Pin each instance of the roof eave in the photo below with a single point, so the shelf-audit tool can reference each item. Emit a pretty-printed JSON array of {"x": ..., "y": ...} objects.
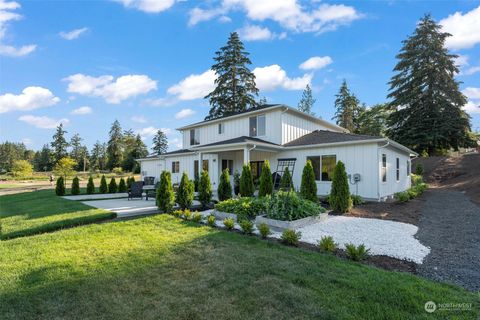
[{"x": 336, "y": 143}]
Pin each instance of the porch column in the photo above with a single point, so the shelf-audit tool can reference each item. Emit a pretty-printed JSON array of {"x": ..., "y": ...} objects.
[
  {"x": 200, "y": 163},
  {"x": 246, "y": 155}
]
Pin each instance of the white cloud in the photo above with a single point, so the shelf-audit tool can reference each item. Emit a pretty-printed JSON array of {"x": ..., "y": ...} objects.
[
  {"x": 31, "y": 98},
  {"x": 198, "y": 15},
  {"x": 256, "y": 33},
  {"x": 151, "y": 131},
  {"x": 184, "y": 113},
  {"x": 464, "y": 28},
  {"x": 462, "y": 60},
  {"x": 472, "y": 93},
  {"x": 316, "y": 63},
  {"x": 175, "y": 142},
  {"x": 27, "y": 141},
  {"x": 12, "y": 51},
  {"x": 81, "y": 111},
  {"x": 472, "y": 107},
  {"x": 225, "y": 19},
  {"x": 150, "y": 6},
  {"x": 471, "y": 70},
  {"x": 74, "y": 34},
  {"x": 273, "y": 77},
  {"x": 6, "y": 15},
  {"x": 160, "y": 102},
  {"x": 139, "y": 119},
  {"x": 195, "y": 86},
  {"x": 113, "y": 92},
  {"x": 42, "y": 122}
]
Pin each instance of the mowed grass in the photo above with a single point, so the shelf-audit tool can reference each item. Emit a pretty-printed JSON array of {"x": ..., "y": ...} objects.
[
  {"x": 160, "y": 267},
  {"x": 42, "y": 211}
]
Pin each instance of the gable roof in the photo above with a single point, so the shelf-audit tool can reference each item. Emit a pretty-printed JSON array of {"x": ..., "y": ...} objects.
[
  {"x": 242, "y": 139},
  {"x": 324, "y": 136}
]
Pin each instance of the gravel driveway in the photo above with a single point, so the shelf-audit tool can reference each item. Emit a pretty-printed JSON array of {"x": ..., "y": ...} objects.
[{"x": 450, "y": 226}]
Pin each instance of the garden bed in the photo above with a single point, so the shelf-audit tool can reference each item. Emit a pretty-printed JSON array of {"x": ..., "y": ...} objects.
[
  {"x": 280, "y": 225},
  {"x": 220, "y": 215}
]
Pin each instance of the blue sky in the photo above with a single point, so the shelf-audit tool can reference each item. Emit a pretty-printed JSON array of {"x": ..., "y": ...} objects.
[{"x": 146, "y": 62}]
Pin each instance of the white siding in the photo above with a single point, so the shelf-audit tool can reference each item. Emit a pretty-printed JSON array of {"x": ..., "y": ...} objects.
[
  {"x": 152, "y": 168},
  {"x": 293, "y": 127},
  {"x": 391, "y": 186}
]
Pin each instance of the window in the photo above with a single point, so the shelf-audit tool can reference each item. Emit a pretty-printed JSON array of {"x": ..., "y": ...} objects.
[
  {"x": 227, "y": 164},
  {"x": 408, "y": 168},
  {"x": 221, "y": 128},
  {"x": 323, "y": 166},
  {"x": 257, "y": 126},
  {"x": 175, "y": 166},
  {"x": 205, "y": 165},
  {"x": 384, "y": 167},
  {"x": 256, "y": 167},
  {"x": 398, "y": 169},
  {"x": 194, "y": 137},
  {"x": 195, "y": 168}
]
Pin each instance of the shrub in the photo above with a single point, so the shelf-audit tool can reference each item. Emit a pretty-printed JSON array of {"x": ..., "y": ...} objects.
[
  {"x": 224, "y": 187},
  {"x": 112, "y": 186},
  {"x": 247, "y": 187},
  {"x": 286, "y": 182},
  {"x": 402, "y": 196},
  {"x": 103, "y": 185},
  {"x": 229, "y": 223},
  {"x": 165, "y": 194},
  {"x": 419, "y": 169},
  {"x": 60, "y": 187},
  {"x": 22, "y": 168},
  {"x": 244, "y": 208},
  {"x": 236, "y": 183},
  {"x": 187, "y": 214},
  {"x": 122, "y": 186},
  {"x": 247, "y": 226},
  {"x": 416, "y": 179},
  {"x": 356, "y": 253},
  {"x": 308, "y": 187},
  {"x": 291, "y": 237},
  {"x": 177, "y": 213},
  {"x": 197, "y": 216},
  {"x": 340, "y": 199},
  {"x": 264, "y": 230},
  {"x": 211, "y": 220},
  {"x": 75, "y": 186},
  {"x": 117, "y": 170},
  {"x": 356, "y": 199},
  {"x": 185, "y": 192},
  {"x": 204, "y": 189},
  {"x": 266, "y": 181},
  {"x": 288, "y": 206},
  {"x": 90, "y": 186},
  {"x": 130, "y": 180},
  {"x": 327, "y": 244}
]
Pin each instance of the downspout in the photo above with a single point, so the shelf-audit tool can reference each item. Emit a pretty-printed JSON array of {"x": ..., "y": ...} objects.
[{"x": 378, "y": 157}]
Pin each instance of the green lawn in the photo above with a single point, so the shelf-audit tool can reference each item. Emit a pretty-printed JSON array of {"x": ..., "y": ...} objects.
[{"x": 36, "y": 212}]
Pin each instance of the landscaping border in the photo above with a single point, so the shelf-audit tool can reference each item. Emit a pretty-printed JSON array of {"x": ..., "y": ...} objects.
[{"x": 280, "y": 225}]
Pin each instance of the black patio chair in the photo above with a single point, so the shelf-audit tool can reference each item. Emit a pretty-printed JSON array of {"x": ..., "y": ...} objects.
[
  {"x": 149, "y": 181},
  {"x": 152, "y": 192},
  {"x": 135, "y": 191}
]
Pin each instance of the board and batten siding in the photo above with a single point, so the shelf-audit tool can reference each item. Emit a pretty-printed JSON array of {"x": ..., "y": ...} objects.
[
  {"x": 187, "y": 165},
  {"x": 294, "y": 127},
  {"x": 152, "y": 168},
  {"x": 392, "y": 186}
]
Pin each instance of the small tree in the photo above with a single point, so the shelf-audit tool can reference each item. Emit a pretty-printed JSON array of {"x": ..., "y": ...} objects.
[
  {"x": 112, "y": 186},
  {"x": 130, "y": 180},
  {"x": 247, "y": 188},
  {"x": 266, "y": 181},
  {"x": 224, "y": 187},
  {"x": 340, "y": 200},
  {"x": 122, "y": 186},
  {"x": 103, "y": 185},
  {"x": 204, "y": 189},
  {"x": 22, "y": 168},
  {"x": 90, "y": 186},
  {"x": 419, "y": 169},
  {"x": 286, "y": 183},
  {"x": 308, "y": 187},
  {"x": 165, "y": 194},
  {"x": 64, "y": 168},
  {"x": 75, "y": 186},
  {"x": 236, "y": 182},
  {"x": 60, "y": 186},
  {"x": 185, "y": 192}
]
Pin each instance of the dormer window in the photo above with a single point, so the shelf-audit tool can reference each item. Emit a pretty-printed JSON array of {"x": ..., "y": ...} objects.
[
  {"x": 194, "y": 137},
  {"x": 257, "y": 126}
]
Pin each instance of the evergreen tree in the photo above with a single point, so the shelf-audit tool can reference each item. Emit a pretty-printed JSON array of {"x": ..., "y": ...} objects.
[
  {"x": 60, "y": 187},
  {"x": 11, "y": 152},
  {"x": 98, "y": 158},
  {"x": 135, "y": 148},
  {"x": 235, "y": 84},
  {"x": 130, "y": 180},
  {"x": 307, "y": 101},
  {"x": 78, "y": 152},
  {"x": 236, "y": 182},
  {"x": 347, "y": 108},
  {"x": 43, "y": 159},
  {"x": 59, "y": 144},
  {"x": 90, "y": 186},
  {"x": 247, "y": 188},
  {"x": 426, "y": 100},
  {"x": 340, "y": 199},
  {"x": 103, "y": 185},
  {"x": 266, "y": 181},
  {"x": 185, "y": 192},
  {"x": 373, "y": 121},
  {"x": 204, "y": 189},
  {"x": 224, "y": 187},
  {"x": 165, "y": 194},
  {"x": 160, "y": 143},
  {"x": 75, "y": 186},
  {"x": 286, "y": 182},
  {"x": 115, "y": 146},
  {"x": 122, "y": 186},
  {"x": 308, "y": 187},
  {"x": 112, "y": 186}
]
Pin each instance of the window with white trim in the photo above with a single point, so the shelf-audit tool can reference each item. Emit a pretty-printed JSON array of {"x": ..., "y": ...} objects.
[
  {"x": 257, "y": 126},
  {"x": 384, "y": 167},
  {"x": 323, "y": 166},
  {"x": 194, "y": 137}
]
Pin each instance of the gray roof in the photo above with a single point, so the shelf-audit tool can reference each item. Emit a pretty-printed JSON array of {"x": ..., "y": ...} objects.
[
  {"x": 237, "y": 140},
  {"x": 324, "y": 136},
  {"x": 176, "y": 151}
]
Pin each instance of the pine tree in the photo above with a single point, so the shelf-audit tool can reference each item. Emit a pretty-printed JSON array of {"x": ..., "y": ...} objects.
[
  {"x": 112, "y": 186},
  {"x": 308, "y": 187},
  {"x": 340, "y": 199},
  {"x": 286, "y": 182},
  {"x": 426, "y": 100},
  {"x": 122, "y": 186},
  {"x": 59, "y": 144},
  {"x": 78, "y": 152},
  {"x": 204, "y": 189},
  {"x": 373, "y": 121},
  {"x": 235, "y": 88},
  {"x": 115, "y": 146},
  {"x": 90, "y": 186},
  {"x": 247, "y": 188},
  {"x": 160, "y": 143},
  {"x": 98, "y": 158},
  {"x": 103, "y": 185},
  {"x": 347, "y": 108},
  {"x": 134, "y": 148},
  {"x": 307, "y": 101},
  {"x": 262, "y": 101},
  {"x": 165, "y": 194},
  {"x": 75, "y": 186},
  {"x": 266, "y": 181},
  {"x": 224, "y": 187},
  {"x": 185, "y": 192}
]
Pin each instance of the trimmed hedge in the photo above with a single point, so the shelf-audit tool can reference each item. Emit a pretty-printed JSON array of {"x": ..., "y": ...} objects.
[
  {"x": 165, "y": 194},
  {"x": 75, "y": 186},
  {"x": 247, "y": 188},
  {"x": 340, "y": 199},
  {"x": 122, "y": 186},
  {"x": 308, "y": 187},
  {"x": 90, "y": 186},
  {"x": 266, "y": 181},
  {"x": 185, "y": 192},
  {"x": 60, "y": 187},
  {"x": 112, "y": 186},
  {"x": 103, "y": 185},
  {"x": 224, "y": 187}
]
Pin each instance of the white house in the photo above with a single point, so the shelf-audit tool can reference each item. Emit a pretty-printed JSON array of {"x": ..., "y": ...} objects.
[{"x": 377, "y": 167}]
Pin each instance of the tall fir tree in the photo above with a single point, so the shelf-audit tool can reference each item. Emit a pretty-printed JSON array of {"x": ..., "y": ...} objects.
[
  {"x": 347, "y": 108},
  {"x": 115, "y": 146},
  {"x": 78, "y": 152},
  {"x": 307, "y": 101},
  {"x": 134, "y": 149},
  {"x": 160, "y": 143},
  {"x": 235, "y": 87},
  {"x": 373, "y": 121},
  {"x": 98, "y": 157},
  {"x": 59, "y": 144},
  {"x": 43, "y": 159},
  {"x": 426, "y": 101}
]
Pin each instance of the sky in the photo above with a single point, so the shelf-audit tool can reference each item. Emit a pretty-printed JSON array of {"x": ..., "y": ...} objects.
[{"x": 147, "y": 62}]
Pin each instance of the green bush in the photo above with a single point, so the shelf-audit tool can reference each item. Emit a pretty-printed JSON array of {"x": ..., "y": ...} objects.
[
  {"x": 247, "y": 226},
  {"x": 327, "y": 244},
  {"x": 177, "y": 213},
  {"x": 90, "y": 186},
  {"x": 308, "y": 187},
  {"x": 286, "y": 182},
  {"x": 75, "y": 186},
  {"x": 291, "y": 237},
  {"x": 356, "y": 199},
  {"x": 403, "y": 196},
  {"x": 416, "y": 179},
  {"x": 356, "y": 253},
  {"x": 244, "y": 208},
  {"x": 224, "y": 187},
  {"x": 229, "y": 223},
  {"x": 117, "y": 170},
  {"x": 130, "y": 180},
  {"x": 264, "y": 230},
  {"x": 122, "y": 186},
  {"x": 247, "y": 188},
  {"x": 187, "y": 214},
  {"x": 112, "y": 186},
  {"x": 288, "y": 206},
  {"x": 165, "y": 194},
  {"x": 197, "y": 216},
  {"x": 236, "y": 182},
  {"x": 411, "y": 193},
  {"x": 419, "y": 169},
  {"x": 185, "y": 192},
  {"x": 196, "y": 181},
  {"x": 211, "y": 220},
  {"x": 204, "y": 189},
  {"x": 60, "y": 187},
  {"x": 103, "y": 185},
  {"x": 340, "y": 200},
  {"x": 266, "y": 181}
]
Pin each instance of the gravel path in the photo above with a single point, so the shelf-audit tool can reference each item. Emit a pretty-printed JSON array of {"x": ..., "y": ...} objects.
[{"x": 450, "y": 226}]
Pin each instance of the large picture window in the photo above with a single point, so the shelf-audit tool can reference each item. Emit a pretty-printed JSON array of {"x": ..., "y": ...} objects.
[
  {"x": 194, "y": 137},
  {"x": 227, "y": 164},
  {"x": 384, "y": 167},
  {"x": 175, "y": 166},
  {"x": 323, "y": 166},
  {"x": 257, "y": 126}
]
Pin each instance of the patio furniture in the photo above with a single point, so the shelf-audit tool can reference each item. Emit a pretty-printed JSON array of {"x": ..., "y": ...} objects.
[
  {"x": 149, "y": 181},
  {"x": 151, "y": 191},
  {"x": 136, "y": 190}
]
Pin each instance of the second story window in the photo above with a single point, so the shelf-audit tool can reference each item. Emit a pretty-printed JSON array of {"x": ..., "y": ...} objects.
[
  {"x": 194, "y": 137},
  {"x": 221, "y": 128},
  {"x": 257, "y": 126}
]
